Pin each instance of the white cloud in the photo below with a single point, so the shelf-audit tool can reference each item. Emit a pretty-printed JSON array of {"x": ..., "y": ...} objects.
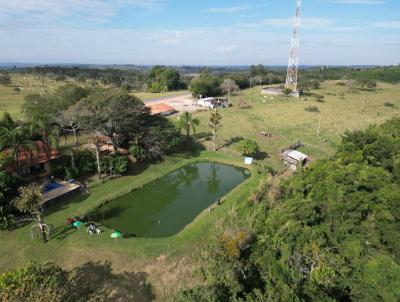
[
  {"x": 226, "y": 10},
  {"x": 45, "y": 11},
  {"x": 368, "y": 2},
  {"x": 386, "y": 24},
  {"x": 226, "y": 49},
  {"x": 306, "y": 22},
  {"x": 171, "y": 37}
]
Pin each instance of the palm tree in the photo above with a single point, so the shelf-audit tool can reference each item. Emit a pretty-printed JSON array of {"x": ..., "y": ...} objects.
[
  {"x": 30, "y": 201},
  {"x": 215, "y": 124},
  {"x": 48, "y": 131},
  {"x": 188, "y": 123},
  {"x": 15, "y": 139}
]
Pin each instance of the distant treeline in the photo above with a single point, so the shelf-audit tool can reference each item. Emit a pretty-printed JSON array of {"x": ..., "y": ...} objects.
[
  {"x": 389, "y": 74},
  {"x": 164, "y": 78}
]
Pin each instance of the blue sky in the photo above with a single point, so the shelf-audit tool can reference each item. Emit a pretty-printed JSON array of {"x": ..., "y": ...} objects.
[{"x": 203, "y": 32}]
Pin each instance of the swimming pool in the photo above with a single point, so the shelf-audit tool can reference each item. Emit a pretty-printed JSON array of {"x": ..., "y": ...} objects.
[
  {"x": 164, "y": 207},
  {"x": 51, "y": 186}
]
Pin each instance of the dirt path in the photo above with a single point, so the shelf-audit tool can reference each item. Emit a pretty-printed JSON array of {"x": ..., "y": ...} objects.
[{"x": 181, "y": 102}]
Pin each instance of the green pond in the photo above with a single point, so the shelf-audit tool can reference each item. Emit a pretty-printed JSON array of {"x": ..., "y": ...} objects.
[{"x": 165, "y": 206}]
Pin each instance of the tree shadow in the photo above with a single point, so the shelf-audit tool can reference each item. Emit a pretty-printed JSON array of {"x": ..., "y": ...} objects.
[
  {"x": 62, "y": 232},
  {"x": 102, "y": 213},
  {"x": 204, "y": 136},
  {"x": 231, "y": 141},
  {"x": 261, "y": 155},
  {"x": 108, "y": 286}
]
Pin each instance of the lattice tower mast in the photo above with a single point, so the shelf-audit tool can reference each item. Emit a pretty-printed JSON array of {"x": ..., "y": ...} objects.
[{"x": 293, "y": 66}]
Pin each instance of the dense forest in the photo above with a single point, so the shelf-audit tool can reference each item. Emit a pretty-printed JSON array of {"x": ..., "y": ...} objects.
[{"x": 331, "y": 234}]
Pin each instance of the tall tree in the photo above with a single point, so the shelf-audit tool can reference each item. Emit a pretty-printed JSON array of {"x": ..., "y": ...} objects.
[
  {"x": 69, "y": 121},
  {"x": 113, "y": 113},
  {"x": 48, "y": 131},
  {"x": 228, "y": 86},
  {"x": 188, "y": 123},
  {"x": 215, "y": 124},
  {"x": 205, "y": 85}
]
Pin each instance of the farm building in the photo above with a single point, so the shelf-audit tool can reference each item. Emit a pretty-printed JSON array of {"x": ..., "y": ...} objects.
[
  {"x": 213, "y": 103},
  {"x": 161, "y": 109},
  {"x": 293, "y": 158},
  {"x": 31, "y": 161}
]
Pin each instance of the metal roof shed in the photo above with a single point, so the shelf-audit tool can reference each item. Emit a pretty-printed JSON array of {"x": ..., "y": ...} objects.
[{"x": 301, "y": 157}]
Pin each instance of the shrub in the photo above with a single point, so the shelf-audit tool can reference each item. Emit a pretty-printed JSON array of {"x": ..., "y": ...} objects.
[
  {"x": 259, "y": 193},
  {"x": 340, "y": 84},
  {"x": 157, "y": 87},
  {"x": 287, "y": 91},
  {"x": 248, "y": 147},
  {"x": 138, "y": 152},
  {"x": 115, "y": 165},
  {"x": 85, "y": 162},
  {"x": 312, "y": 109}
]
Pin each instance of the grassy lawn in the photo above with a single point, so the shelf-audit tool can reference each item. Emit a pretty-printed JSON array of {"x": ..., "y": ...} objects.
[
  {"x": 134, "y": 254},
  {"x": 288, "y": 121},
  {"x": 11, "y": 101}
]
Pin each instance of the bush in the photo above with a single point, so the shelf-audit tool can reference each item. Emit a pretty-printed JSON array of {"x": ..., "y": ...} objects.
[
  {"x": 115, "y": 165},
  {"x": 340, "y": 84},
  {"x": 249, "y": 147},
  {"x": 287, "y": 91},
  {"x": 138, "y": 152},
  {"x": 157, "y": 87},
  {"x": 259, "y": 193},
  {"x": 85, "y": 162},
  {"x": 312, "y": 109}
]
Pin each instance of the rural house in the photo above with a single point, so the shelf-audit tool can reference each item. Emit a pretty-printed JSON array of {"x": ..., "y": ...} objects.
[{"x": 31, "y": 161}]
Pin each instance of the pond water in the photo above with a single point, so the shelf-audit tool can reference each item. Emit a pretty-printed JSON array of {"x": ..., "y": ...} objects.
[{"x": 164, "y": 207}]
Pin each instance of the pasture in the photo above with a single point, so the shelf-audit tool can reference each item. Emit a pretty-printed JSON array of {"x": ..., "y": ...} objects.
[{"x": 289, "y": 122}]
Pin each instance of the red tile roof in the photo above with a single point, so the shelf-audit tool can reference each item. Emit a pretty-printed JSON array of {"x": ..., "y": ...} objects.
[
  {"x": 160, "y": 108},
  {"x": 32, "y": 158}
]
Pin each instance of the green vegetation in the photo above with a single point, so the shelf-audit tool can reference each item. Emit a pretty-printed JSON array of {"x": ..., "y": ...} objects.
[
  {"x": 248, "y": 147},
  {"x": 329, "y": 236},
  {"x": 205, "y": 85},
  {"x": 70, "y": 249},
  {"x": 35, "y": 282},
  {"x": 162, "y": 78},
  {"x": 328, "y": 233}
]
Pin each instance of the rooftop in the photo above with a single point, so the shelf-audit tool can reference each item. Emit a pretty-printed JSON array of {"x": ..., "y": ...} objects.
[
  {"x": 160, "y": 108},
  {"x": 30, "y": 158}
]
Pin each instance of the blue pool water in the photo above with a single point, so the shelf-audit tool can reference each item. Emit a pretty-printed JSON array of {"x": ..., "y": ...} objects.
[{"x": 51, "y": 186}]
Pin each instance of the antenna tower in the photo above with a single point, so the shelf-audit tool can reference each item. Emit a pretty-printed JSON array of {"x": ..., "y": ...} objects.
[{"x": 291, "y": 78}]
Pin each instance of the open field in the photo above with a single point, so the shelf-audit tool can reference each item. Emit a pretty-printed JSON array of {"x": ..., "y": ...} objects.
[
  {"x": 166, "y": 261},
  {"x": 11, "y": 101},
  {"x": 289, "y": 122}
]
